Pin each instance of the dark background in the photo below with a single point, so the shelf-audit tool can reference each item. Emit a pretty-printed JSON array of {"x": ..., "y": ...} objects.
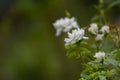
[{"x": 29, "y": 49}]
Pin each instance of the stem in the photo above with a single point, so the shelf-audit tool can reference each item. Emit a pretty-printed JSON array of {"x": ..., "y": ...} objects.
[
  {"x": 97, "y": 45},
  {"x": 102, "y": 61},
  {"x": 102, "y": 12},
  {"x": 118, "y": 34}
]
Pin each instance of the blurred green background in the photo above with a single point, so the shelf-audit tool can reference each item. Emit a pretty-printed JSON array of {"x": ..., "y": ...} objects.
[{"x": 29, "y": 49}]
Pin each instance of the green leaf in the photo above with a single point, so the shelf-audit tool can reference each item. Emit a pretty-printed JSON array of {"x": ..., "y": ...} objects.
[
  {"x": 93, "y": 75},
  {"x": 102, "y": 77},
  {"x": 108, "y": 46},
  {"x": 83, "y": 43},
  {"x": 72, "y": 54},
  {"x": 114, "y": 4},
  {"x": 84, "y": 50},
  {"x": 95, "y": 18},
  {"x": 68, "y": 14},
  {"x": 71, "y": 46}
]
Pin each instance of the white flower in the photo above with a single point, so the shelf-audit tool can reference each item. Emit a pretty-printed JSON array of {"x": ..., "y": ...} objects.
[
  {"x": 58, "y": 25},
  {"x": 99, "y": 55},
  {"x": 105, "y": 29},
  {"x": 69, "y": 23},
  {"x": 93, "y": 28},
  {"x": 65, "y": 25},
  {"x": 75, "y": 36},
  {"x": 99, "y": 37}
]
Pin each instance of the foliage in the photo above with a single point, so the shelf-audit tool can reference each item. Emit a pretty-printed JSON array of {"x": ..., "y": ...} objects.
[{"x": 104, "y": 40}]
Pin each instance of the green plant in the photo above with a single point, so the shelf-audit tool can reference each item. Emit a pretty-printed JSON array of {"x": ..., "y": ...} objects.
[{"x": 99, "y": 51}]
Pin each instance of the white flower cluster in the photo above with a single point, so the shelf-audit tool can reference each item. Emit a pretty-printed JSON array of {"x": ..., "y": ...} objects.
[
  {"x": 65, "y": 25},
  {"x": 99, "y": 55},
  {"x": 105, "y": 29},
  {"x": 99, "y": 37},
  {"x": 93, "y": 29},
  {"x": 75, "y": 36}
]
